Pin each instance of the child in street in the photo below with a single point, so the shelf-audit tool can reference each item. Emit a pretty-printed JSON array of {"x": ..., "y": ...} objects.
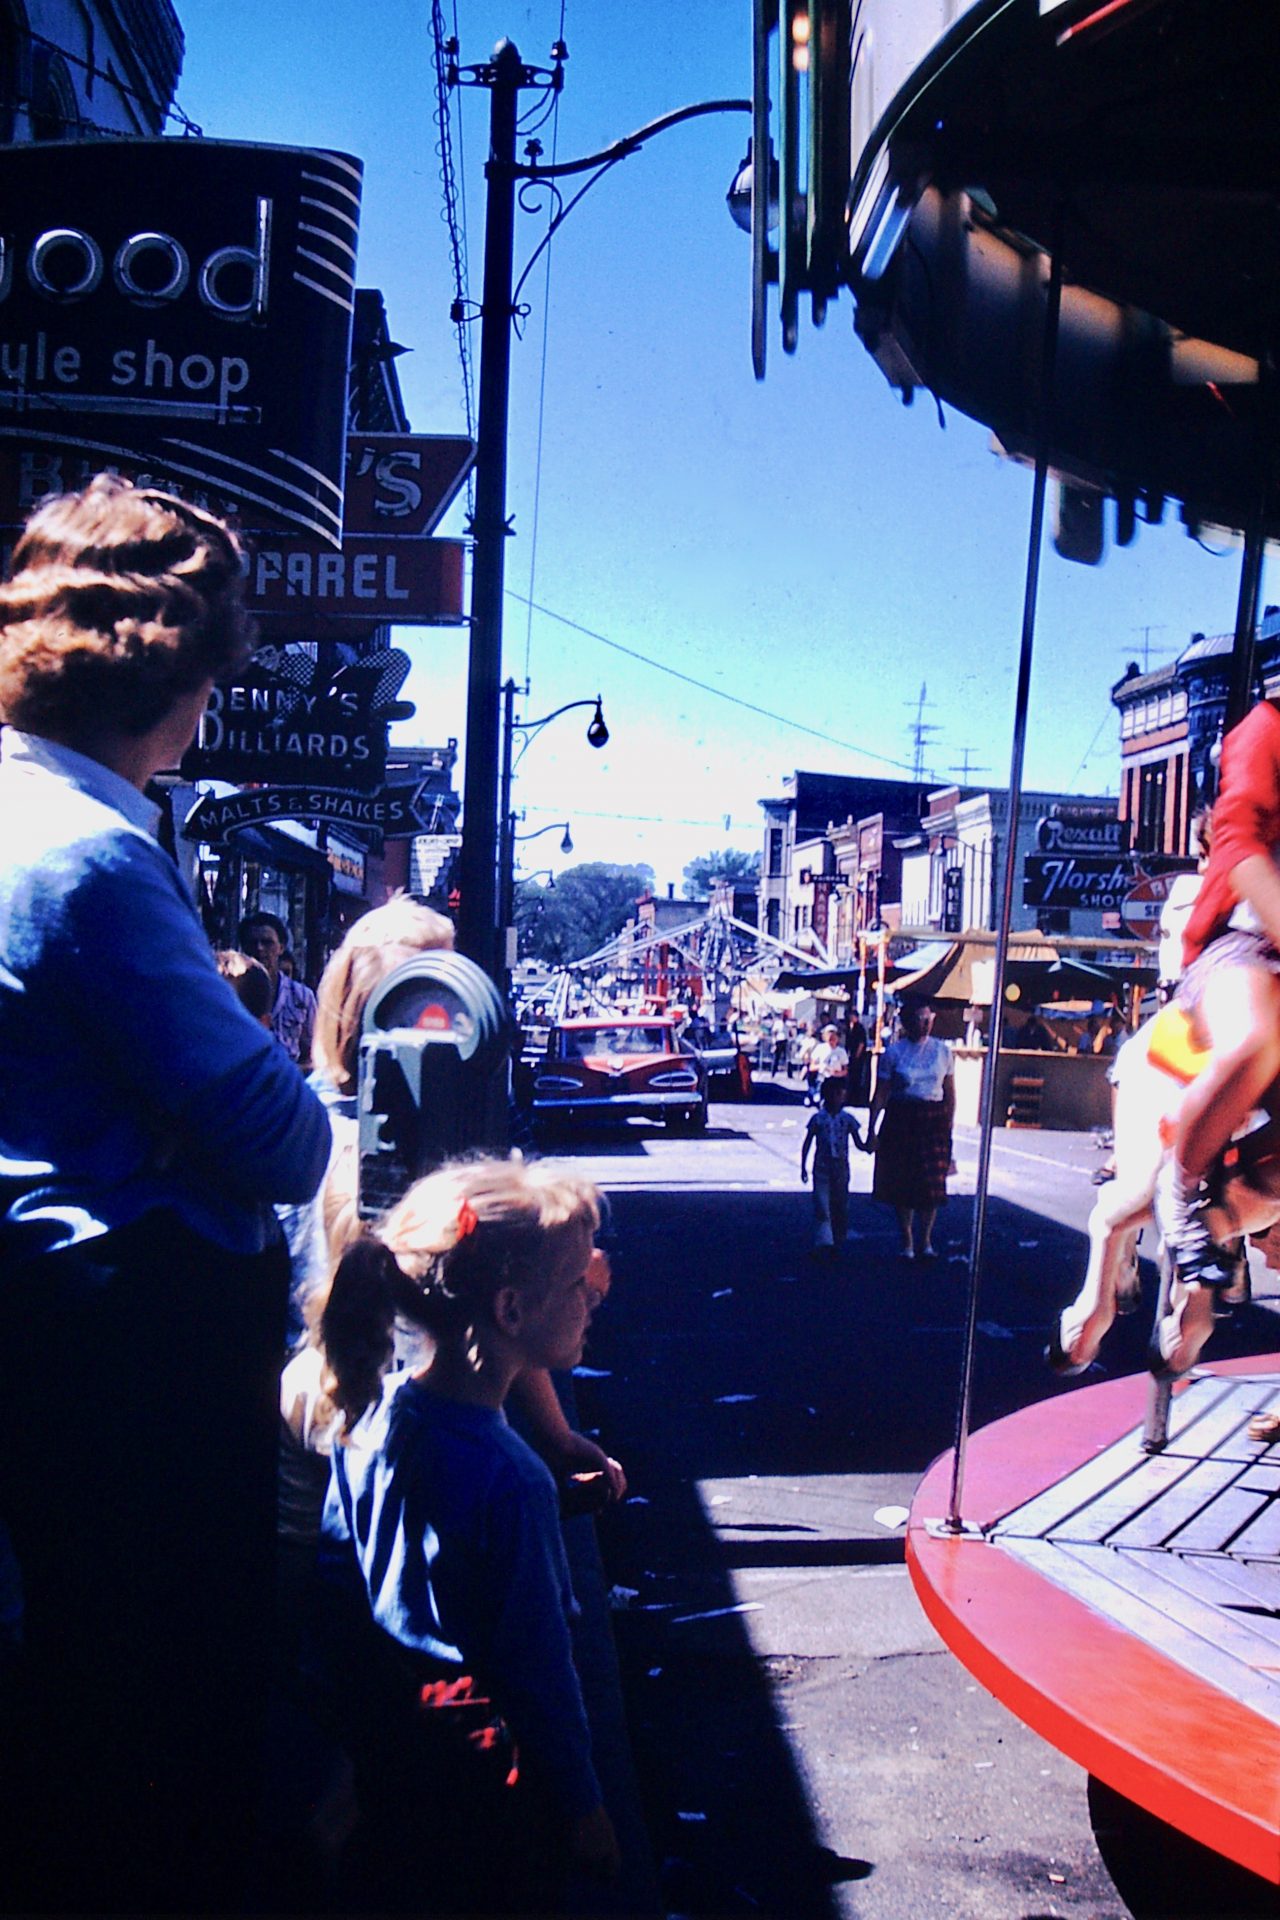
[
  {"x": 1231, "y": 990},
  {"x": 465, "y": 1716},
  {"x": 827, "y": 1136}
]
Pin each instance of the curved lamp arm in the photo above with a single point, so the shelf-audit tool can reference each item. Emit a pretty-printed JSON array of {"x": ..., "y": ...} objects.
[{"x": 607, "y": 157}]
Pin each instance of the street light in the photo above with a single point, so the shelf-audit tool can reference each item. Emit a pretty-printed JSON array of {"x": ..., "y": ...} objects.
[
  {"x": 484, "y": 866},
  {"x": 597, "y": 736},
  {"x": 566, "y": 845}
]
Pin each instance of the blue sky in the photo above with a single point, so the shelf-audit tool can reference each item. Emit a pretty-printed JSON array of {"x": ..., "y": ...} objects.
[{"x": 807, "y": 545}]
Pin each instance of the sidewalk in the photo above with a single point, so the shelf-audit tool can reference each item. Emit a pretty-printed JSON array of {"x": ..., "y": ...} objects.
[{"x": 636, "y": 1891}]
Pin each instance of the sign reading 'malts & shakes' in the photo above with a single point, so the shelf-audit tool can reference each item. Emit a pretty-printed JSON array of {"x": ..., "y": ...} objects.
[{"x": 188, "y": 302}]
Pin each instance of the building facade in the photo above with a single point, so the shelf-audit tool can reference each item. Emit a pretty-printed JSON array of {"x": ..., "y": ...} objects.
[
  {"x": 83, "y": 69},
  {"x": 809, "y": 805},
  {"x": 1171, "y": 722}
]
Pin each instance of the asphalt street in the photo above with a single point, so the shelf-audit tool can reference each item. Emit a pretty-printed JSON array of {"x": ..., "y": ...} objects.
[{"x": 805, "y": 1745}]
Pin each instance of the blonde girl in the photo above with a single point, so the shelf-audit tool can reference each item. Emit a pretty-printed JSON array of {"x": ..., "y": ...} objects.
[{"x": 447, "y": 1524}]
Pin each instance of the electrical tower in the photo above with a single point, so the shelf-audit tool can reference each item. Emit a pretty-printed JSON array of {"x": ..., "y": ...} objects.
[{"x": 920, "y": 731}]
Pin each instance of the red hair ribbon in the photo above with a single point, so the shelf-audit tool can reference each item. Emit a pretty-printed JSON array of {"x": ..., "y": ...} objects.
[{"x": 468, "y": 1220}]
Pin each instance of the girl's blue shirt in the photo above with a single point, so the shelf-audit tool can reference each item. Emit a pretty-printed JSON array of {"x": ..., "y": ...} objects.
[{"x": 455, "y": 1526}]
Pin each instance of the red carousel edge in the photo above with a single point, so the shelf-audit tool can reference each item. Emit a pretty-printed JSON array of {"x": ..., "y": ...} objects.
[{"x": 1146, "y": 1726}]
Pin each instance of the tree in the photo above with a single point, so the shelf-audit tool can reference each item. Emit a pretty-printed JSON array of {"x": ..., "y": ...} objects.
[
  {"x": 586, "y": 907},
  {"x": 702, "y": 874}
]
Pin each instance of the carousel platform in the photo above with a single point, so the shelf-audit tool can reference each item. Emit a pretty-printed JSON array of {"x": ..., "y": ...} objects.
[{"x": 1126, "y": 1605}]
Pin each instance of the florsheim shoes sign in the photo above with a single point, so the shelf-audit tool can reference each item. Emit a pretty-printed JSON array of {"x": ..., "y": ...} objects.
[{"x": 184, "y": 304}]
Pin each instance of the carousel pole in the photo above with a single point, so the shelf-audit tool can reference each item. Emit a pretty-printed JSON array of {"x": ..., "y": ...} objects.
[
  {"x": 1240, "y": 686},
  {"x": 953, "y": 1524}
]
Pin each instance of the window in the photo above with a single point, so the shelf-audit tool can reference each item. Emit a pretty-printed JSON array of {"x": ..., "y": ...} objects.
[
  {"x": 1152, "y": 790},
  {"x": 775, "y": 853},
  {"x": 53, "y": 102},
  {"x": 585, "y": 1043}
]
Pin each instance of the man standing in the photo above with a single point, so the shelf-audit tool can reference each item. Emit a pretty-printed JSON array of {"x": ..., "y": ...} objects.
[{"x": 264, "y": 937}]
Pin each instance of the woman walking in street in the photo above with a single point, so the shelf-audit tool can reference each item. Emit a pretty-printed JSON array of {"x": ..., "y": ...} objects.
[{"x": 910, "y": 1128}]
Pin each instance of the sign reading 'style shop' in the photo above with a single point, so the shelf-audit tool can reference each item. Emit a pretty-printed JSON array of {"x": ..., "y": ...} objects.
[{"x": 184, "y": 305}]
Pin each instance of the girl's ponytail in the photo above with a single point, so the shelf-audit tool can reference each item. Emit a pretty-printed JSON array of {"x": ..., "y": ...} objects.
[{"x": 369, "y": 1291}]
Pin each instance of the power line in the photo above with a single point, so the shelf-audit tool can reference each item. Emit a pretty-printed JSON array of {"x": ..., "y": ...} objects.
[
  {"x": 453, "y": 219},
  {"x": 554, "y": 109},
  {"x": 704, "y": 686},
  {"x": 654, "y": 819}
]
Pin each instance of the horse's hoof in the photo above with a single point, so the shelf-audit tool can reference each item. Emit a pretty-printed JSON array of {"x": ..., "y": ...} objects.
[{"x": 1059, "y": 1361}]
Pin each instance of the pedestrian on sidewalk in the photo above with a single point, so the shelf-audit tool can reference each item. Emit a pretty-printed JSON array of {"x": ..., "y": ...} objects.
[
  {"x": 147, "y": 1123},
  {"x": 829, "y": 1134},
  {"x": 293, "y": 1005},
  {"x": 444, "y": 1527}
]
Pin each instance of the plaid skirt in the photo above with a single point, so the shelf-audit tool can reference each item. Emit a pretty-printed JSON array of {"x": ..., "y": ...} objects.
[
  {"x": 913, "y": 1152},
  {"x": 1236, "y": 947}
]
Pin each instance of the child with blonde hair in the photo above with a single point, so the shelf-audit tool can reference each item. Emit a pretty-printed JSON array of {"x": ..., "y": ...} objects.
[{"x": 468, "y": 1728}]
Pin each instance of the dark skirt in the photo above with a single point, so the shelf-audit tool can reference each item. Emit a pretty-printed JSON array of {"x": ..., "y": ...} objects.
[
  {"x": 139, "y": 1377},
  {"x": 913, "y": 1153}
]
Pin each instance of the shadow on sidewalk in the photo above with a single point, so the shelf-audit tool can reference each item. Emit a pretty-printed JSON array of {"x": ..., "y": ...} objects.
[{"x": 727, "y": 1353}]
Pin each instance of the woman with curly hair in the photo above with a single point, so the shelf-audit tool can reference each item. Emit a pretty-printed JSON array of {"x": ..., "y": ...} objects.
[{"x": 147, "y": 1123}]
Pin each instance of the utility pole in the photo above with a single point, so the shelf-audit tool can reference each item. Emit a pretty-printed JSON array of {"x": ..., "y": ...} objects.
[
  {"x": 480, "y": 935},
  {"x": 478, "y": 932}
]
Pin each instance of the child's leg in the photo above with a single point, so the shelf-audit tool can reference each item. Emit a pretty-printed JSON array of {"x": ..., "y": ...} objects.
[
  {"x": 822, "y": 1226},
  {"x": 904, "y": 1228},
  {"x": 1240, "y": 1011},
  {"x": 926, "y": 1218},
  {"x": 839, "y": 1209}
]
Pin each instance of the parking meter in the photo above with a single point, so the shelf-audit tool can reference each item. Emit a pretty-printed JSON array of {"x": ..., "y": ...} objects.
[{"x": 434, "y": 1039}]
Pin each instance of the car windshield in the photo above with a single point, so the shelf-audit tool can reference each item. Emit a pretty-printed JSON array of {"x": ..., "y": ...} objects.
[{"x": 578, "y": 1045}]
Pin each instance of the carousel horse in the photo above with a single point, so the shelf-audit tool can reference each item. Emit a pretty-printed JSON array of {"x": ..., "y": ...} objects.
[{"x": 1152, "y": 1072}]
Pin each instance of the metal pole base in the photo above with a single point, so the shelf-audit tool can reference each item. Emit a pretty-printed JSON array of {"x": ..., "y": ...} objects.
[{"x": 945, "y": 1529}]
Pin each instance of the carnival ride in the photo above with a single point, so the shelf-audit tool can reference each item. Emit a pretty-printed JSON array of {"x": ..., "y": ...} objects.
[{"x": 1061, "y": 219}]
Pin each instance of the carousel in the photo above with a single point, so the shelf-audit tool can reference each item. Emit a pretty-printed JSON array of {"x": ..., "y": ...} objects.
[{"x": 1063, "y": 222}]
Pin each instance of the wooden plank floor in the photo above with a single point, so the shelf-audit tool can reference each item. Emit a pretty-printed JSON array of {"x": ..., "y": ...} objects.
[{"x": 1181, "y": 1548}]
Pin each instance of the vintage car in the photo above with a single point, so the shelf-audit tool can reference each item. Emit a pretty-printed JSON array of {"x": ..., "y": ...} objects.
[{"x": 620, "y": 1065}]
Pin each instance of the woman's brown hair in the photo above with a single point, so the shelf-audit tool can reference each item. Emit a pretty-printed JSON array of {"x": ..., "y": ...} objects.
[{"x": 119, "y": 601}]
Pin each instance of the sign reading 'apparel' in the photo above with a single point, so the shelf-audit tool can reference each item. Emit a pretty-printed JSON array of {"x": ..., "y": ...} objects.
[
  {"x": 187, "y": 302},
  {"x": 367, "y": 579}
]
